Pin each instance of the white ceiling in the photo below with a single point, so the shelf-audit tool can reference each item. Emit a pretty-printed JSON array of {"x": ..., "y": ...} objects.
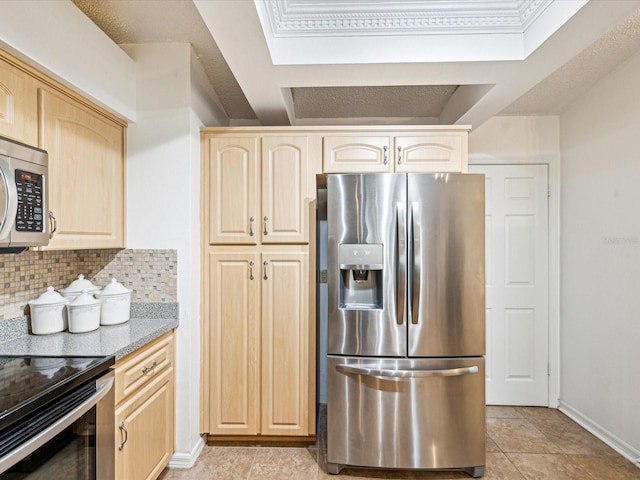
[{"x": 305, "y": 62}]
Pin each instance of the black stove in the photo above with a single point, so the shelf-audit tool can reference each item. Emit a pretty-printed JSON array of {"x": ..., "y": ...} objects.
[
  {"x": 27, "y": 383},
  {"x": 36, "y": 391}
]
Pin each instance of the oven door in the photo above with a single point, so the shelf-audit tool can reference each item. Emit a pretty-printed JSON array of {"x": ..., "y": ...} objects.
[{"x": 71, "y": 438}]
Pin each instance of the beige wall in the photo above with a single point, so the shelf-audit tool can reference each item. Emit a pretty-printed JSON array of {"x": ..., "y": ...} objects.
[
  {"x": 600, "y": 281},
  {"x": 516, "y": 138}
]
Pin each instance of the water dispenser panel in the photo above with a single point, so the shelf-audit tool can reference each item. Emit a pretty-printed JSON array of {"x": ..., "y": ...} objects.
[{"x": 360, "y": 256}]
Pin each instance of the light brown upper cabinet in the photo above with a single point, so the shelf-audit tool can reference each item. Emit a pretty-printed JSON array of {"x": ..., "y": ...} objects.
[
  {"x": 419, "y": 152},
  {"x": 257, "y": 189},
  {"x": 86, "y": 147},
  {"x": 86, "y": 173},
  {"x": 233, "y": 189},
  {"x": 18, "y": 104},
  {"x": 353, "y": 154}
]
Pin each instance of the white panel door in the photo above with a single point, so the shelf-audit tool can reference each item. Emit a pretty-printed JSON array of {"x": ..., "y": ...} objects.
[{"x": 517, "y": 276}]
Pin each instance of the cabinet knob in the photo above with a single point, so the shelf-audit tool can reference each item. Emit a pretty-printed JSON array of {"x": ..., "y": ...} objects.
[
  {"x": 146, "y": 369},
  {"x": 251, "y": 220},
  {"x": 251, "y": 277},
  {"x": 266, "y": 232},
  {"x": 264, "y": 270}
]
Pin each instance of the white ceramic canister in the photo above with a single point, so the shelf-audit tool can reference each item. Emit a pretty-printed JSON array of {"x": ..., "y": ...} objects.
[
  {"x": 48, "y": 314},
  {"x": 84, "y": 313},
  {"x": 76, "y": 287},
  {"x": 115, "y": 303}
]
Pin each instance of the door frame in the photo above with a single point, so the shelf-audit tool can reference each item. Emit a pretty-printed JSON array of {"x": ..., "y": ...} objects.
[{"x": 553, "y": 168}]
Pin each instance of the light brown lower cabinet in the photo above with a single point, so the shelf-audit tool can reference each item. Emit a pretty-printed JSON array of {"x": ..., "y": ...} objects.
[
  {"x": 144, "y": 415},
  {"x": 257, "y": 377}
]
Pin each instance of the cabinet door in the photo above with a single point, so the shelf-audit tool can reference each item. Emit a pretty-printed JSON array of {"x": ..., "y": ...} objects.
[
  {"x": 285, "y": 343},
  {"x": 233, "y": 190},
  {"x": 284, "y": 181},
  {"x": 18, "y": 105},
  {"x": 86, "y": 174},
  {"x": 355, "y": 154},
  {"x": 234, "y": 335},
  {"x": 144, "y": 440},
  {"x": 437, "y": 152}
]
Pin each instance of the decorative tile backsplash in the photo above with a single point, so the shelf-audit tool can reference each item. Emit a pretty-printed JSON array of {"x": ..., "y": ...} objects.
[{"x": 152, "y": 274}]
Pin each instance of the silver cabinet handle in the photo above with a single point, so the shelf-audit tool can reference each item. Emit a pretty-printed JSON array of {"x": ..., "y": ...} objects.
[
  {"x": 266, "y": 232},
  {"x": 399, "y": 155},
  {"x": 388, "y": 373},
  {"x": 251, "y": 220},
  {"x": 123, "y": 433},
  {"x": 146, "y": 369},
  {"x": 264, "y": 269},
  {"x": 251, "y": 277},
  {"x": 401, "y": 270},
  {"x": 53, "y": 223},
  {"x": 384, "y": 160}
]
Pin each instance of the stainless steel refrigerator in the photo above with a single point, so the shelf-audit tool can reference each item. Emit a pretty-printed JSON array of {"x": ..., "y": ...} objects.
[{"x": 406, "y": 321}]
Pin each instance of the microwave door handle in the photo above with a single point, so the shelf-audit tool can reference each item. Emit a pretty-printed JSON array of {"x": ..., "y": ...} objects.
[
  {"x": 11, "y": 208},
  {"x": 401, "y": 266},
  {"x": 415, "y": 259}
]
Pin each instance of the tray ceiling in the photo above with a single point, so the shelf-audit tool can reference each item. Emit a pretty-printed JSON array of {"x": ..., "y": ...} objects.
[{"x": 304, "y": 62}]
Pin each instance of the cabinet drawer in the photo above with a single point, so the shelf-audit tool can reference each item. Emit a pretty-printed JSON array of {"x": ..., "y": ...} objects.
[{"x": 143, "y": 366}]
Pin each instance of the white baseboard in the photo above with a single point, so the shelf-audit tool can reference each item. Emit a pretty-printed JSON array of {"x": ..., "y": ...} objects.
[
  {"x": 619, "y": 445},
  {"x": 187, "y": 460}
]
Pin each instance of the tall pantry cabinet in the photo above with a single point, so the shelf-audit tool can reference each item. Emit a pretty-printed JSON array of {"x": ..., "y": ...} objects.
[{"x": 258, "y": 296}]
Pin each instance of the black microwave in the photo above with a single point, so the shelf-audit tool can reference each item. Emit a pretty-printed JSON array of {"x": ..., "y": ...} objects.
[{"x": 24, "y": 200}]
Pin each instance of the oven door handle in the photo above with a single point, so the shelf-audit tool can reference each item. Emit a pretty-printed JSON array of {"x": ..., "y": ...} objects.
[{"x": 102, "y": 388}]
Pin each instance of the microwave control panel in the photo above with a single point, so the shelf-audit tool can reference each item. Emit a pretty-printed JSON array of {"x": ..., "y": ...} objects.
[{"x": 30, "y": 188}]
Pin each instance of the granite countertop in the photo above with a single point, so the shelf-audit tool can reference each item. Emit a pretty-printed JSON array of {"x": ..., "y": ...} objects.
[{"x": 117, "y": 340}]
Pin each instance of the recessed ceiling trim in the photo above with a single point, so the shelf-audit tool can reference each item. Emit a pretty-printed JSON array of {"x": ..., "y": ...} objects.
[{"x": 299, "y": 18}]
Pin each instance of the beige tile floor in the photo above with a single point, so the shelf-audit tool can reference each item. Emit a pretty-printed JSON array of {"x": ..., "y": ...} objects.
[{"x": 523, "y": 443}]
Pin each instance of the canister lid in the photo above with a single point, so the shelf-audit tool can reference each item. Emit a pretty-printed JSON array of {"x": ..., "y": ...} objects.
[
  {"x": 114, "y": 288},
  {"x": 50, "y": 297},
  {"x": 84, "y": 298},
  {"x": 80, "y": 284}
]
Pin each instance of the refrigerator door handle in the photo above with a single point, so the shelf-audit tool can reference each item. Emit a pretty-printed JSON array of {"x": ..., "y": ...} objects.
[
  {"x": 388, "y": 373},
  {"x": 415, "y": 259},
  {"x": 409, "y": 261},
  {"x": 401, "y": 269}
]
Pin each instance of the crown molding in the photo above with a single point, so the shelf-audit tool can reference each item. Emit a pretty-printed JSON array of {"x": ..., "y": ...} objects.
[{"x": 297, "y": 18}]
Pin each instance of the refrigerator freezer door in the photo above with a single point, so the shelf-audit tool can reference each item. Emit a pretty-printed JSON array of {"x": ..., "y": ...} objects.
[
  {"x": 406, "y": 413},
  {"x": 446, "y": 224},
  {"x": 366, "y": 301}
]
